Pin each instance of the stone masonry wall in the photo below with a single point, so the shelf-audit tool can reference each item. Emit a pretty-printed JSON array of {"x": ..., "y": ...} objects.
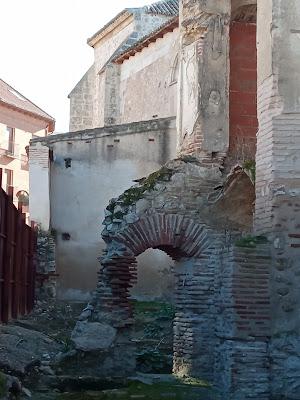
[
  {"x": 46, "y": 267},
  {"x": 81, "y": 102}
]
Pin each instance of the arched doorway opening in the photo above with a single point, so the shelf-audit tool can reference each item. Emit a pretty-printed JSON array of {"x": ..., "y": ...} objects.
[
  {"x": 192, "y": 246},
  {"x": 23, "y": 201}
]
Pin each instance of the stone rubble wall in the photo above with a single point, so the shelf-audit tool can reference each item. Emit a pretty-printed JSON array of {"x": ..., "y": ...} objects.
[{"x": 46, "y": 268}]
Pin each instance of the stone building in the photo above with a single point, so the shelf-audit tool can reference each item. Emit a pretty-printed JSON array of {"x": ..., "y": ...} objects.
[
  {"x": 20, "y": 121},
  {"x": 136, "y": 49},
  {"x": 225, "y": 209}
]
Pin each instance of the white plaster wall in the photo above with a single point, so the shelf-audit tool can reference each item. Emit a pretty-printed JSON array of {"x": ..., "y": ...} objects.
[
  {"x": 145, "y": 81},
  {"x": 39, "y": 184},
  {"x": 80, "y": 194}
]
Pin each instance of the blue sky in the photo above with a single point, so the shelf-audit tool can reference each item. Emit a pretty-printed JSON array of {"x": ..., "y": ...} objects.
[{"x": 43, "y": 47}]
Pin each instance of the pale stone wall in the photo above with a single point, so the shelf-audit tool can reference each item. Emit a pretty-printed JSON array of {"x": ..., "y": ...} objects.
[
  {"x": 94, "y": 102},
  {"x": 82, "y": 102},
  {"x": 103, "y": 163},
  {"x": 146, "y": 87}
]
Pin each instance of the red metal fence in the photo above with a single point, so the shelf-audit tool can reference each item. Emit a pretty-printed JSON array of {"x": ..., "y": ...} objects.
[{"x": 17, "y": 260}]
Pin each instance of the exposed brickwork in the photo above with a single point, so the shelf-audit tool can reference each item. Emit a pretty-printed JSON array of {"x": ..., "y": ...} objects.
[
  {"x": 173, "y": 233},
  {"x": 243, "y": 123},
  {"x": 243, "y": 323},
  {"x": 39, "y": 155}
]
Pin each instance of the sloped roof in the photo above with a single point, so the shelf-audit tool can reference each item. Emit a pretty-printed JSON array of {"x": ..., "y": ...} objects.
[
  {"x": 168, "y": 8},
  {"x": 11, "y": 97},
  {"x": 164, "y": 7},
  {"x": 169, "y": 26}
]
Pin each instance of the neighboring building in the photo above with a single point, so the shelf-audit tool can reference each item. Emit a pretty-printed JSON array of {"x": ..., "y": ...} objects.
[
  {"x": 134, "y": 74},
  {"x": 20, "y": 121}
]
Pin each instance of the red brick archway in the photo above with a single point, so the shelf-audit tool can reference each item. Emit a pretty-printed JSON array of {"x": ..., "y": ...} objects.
[{"x": 176, "y": 235}]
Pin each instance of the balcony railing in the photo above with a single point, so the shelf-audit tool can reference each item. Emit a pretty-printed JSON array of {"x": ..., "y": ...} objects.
[{"x": 9, "y": 149}]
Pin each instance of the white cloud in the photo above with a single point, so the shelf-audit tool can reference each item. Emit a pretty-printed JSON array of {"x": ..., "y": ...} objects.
[{"x": 43, "y": 47}]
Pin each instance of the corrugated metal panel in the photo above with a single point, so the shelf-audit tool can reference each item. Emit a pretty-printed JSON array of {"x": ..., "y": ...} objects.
[{"x": 164, "y": 7}]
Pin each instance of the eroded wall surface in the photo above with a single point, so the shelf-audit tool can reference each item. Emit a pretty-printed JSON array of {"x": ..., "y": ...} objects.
[{"x": 204, "y": 75}]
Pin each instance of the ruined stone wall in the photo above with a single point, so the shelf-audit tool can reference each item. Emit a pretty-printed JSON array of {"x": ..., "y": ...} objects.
[
  {"x": 222, "y": 320},
  {"x": 204, "y": 75},
  {"x": 46, "y": 266}
]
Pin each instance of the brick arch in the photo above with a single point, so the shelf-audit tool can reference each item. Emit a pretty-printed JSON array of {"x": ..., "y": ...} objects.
[{"x": 176, "y": 235}]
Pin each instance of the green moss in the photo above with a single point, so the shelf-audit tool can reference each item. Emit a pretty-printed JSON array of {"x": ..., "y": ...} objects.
[
  {"x": 250, "y": 167},
  {"x": 188, "y": 159},
  {"x": 2, "y": 385},
  {"x": 177, "y": 390},
  {"x": 135, "y": 193},
  {"x": 111, "y": 206},
  {"x": 251, "y": 241},
  {"x": 118, "y": 215}
]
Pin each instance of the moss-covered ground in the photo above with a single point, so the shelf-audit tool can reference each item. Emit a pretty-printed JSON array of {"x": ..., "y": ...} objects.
[{"x": 160, "y": 391}]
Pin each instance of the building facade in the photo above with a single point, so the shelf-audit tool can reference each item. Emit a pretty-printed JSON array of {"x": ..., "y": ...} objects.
[
  {"x": 20, "y": 121},
  {"x": 138, "y": 48}
]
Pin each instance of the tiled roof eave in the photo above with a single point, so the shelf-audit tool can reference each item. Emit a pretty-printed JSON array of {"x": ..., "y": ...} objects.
[{"x": 144, "y": 42}]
